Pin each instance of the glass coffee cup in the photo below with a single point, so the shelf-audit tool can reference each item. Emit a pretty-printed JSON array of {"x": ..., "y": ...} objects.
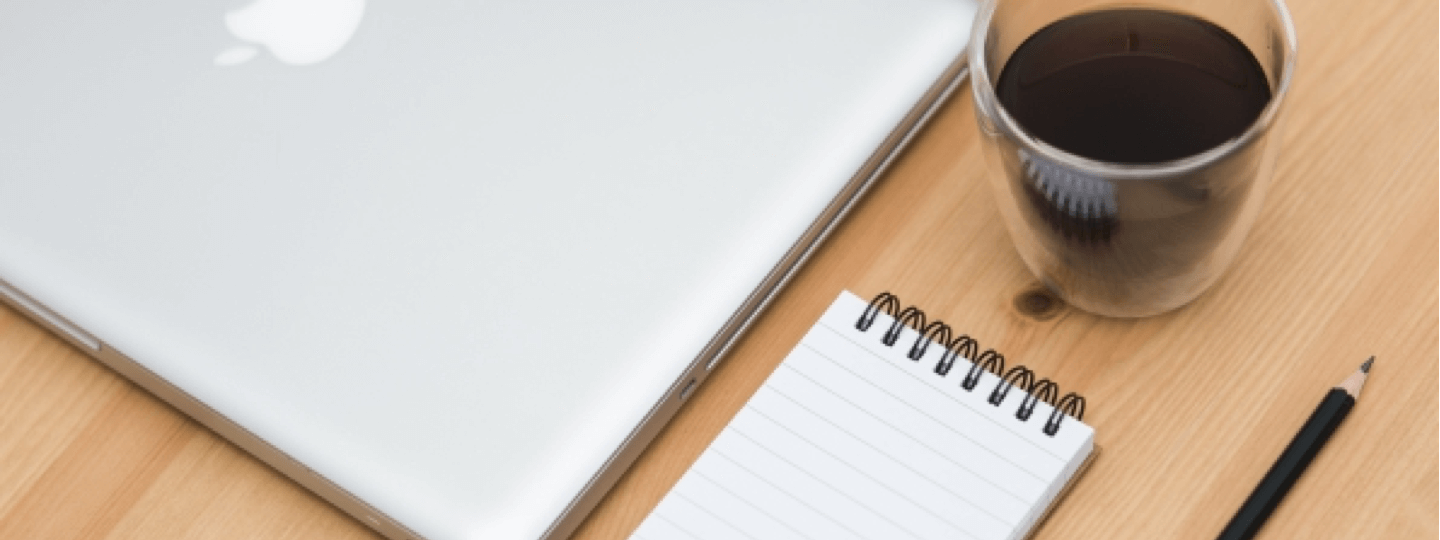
[{"x": 1129, "y": 145}]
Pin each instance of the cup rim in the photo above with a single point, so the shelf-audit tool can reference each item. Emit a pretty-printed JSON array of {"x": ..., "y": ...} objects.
[{"x": 989, "y": 105}]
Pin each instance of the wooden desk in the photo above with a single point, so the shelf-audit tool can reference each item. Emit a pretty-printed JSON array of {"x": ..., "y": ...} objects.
[{"x": 1191, "y": 406}]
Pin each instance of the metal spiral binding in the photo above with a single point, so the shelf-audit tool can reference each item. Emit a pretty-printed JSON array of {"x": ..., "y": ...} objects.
[{"x": 965, "y": 346}]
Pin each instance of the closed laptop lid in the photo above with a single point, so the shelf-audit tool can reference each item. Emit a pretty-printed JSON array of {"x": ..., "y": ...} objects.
[{"x": 446, "y": 254}]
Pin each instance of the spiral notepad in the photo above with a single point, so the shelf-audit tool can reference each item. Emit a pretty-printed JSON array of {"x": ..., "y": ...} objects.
[{"x": 882, "y": 425}]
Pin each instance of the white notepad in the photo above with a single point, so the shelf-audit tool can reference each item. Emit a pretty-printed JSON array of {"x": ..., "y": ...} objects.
[{"x": 851, "y": 438}]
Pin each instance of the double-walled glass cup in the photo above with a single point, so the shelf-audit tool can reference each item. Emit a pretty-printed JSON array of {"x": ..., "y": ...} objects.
[{"x": 1128, "y": 239}]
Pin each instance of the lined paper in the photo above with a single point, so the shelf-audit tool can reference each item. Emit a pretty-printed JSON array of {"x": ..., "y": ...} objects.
[{"x": 851, "y": 439}]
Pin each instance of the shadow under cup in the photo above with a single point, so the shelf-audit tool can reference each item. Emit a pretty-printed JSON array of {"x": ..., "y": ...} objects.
[{"x": 1127, "y": 238}]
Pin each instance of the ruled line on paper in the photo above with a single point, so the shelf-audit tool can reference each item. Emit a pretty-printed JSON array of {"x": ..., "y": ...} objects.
[
  {"x": 837, "y": 491},
  {"x": 933, "y": 437},
  {"x": 987, "y": 446},
  {"x": 720, "y": 519},
  {"x": 1007, "y": 426},
  {"x": 885, "y": 485},
  {"x": 677, "y": 527},
  {"x": 764, "y": 407},
  {"x": 786, "y": 493},
  {"x": 743, "y": 500},
  {"x": 743, "y": 514},
  {"x": 905, "y": 464}
]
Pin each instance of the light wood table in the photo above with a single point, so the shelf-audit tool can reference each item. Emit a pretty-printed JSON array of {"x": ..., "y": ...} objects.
[{"x": 1191, "y": 406}]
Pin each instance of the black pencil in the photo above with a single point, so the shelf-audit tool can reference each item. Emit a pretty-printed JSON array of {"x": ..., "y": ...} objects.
[{"x": 1296, "y": 457}]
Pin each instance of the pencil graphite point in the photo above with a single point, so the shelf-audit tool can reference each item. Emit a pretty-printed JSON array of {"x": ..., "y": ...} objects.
[{"x": 1356, "y": 380}]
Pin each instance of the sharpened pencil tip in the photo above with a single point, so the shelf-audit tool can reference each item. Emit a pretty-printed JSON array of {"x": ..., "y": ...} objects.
[{"x": 1365, "y": 368}]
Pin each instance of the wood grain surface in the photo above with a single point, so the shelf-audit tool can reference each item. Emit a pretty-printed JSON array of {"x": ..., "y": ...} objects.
[{"x": 1191, "y": 406}]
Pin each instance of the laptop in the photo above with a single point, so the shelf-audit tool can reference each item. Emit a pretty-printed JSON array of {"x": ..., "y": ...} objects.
[{"x": 449, "y": 264}]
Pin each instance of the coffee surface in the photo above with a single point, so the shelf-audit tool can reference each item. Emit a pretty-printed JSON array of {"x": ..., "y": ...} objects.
[{"x": 1133, "y": 85}]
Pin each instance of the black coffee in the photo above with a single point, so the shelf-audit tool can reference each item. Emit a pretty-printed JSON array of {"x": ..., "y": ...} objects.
[{"x": 1133, "y": 85}]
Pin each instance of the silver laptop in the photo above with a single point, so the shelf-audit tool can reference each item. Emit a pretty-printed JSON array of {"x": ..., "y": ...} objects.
[{"x": 449, "y": 264}]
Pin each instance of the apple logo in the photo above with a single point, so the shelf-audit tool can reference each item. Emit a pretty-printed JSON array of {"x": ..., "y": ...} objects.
[{"x": 297, "y": 32}]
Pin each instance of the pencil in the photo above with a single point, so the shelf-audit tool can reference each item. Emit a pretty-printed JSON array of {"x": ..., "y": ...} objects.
[{"x": 1296, "y": 457}]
